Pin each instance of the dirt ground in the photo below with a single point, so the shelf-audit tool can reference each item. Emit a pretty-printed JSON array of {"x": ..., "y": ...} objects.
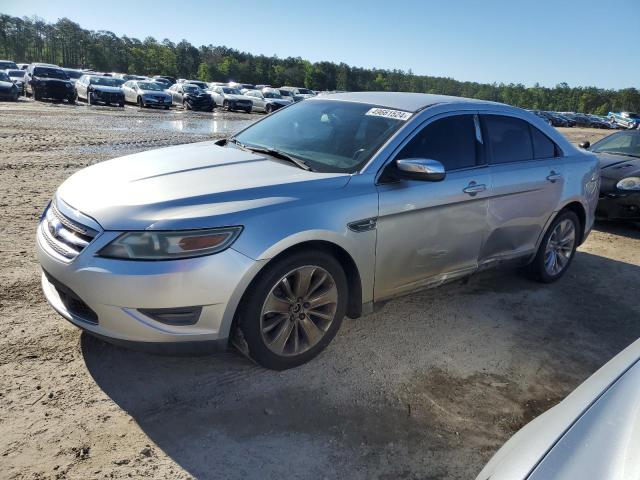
[{"x": 428, "y": 388}]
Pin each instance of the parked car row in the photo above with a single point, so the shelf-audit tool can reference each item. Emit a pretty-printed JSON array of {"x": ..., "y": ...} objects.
[
  {"x": 46, "y": 81},
  {"x": 573, "y": 119}
]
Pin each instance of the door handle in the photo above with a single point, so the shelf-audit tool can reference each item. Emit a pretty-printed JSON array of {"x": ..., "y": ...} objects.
[
  {"x": 553, "y": 176},
  {"x": 474, "y": 188}
]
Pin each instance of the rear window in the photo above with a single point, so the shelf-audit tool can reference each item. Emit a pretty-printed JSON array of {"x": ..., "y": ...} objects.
[
  {"x": 450, "y": 140},
  {"x": 509, "y": 139},
  {"x": 543, "y": 147}
]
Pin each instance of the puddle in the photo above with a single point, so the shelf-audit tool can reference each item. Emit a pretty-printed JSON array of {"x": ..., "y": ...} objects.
[{"x": 203, "y": 126}]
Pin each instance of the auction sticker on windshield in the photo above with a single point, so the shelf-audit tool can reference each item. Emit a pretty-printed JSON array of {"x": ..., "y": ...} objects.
[{"x": 388, "y": 113}]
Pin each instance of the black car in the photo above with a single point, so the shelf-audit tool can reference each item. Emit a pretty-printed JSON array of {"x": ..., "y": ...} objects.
[
  {"x": 619, "y": 156},
  {"x": 191, "y": 97},
  {"x": 8, "y": 89},
  {"x": 48, "y": 81}
]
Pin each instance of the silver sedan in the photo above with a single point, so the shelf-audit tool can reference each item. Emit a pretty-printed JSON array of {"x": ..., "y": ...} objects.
[
  {"x": 146, "y": 93},
  {"x": 594, "y": 433},
  {"x": 271, "y": 237}
]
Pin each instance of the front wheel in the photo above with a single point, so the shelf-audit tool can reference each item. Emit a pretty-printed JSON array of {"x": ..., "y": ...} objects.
[
  {"x": 226, "y": 106},
  {"x": 140, "y": 102},
  {"x": 557, "y": 249},
  {"x": 293, "y": 310}
]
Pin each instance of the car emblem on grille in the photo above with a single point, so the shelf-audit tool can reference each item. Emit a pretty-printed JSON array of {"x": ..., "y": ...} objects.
[{"x": 54, "y": 227}]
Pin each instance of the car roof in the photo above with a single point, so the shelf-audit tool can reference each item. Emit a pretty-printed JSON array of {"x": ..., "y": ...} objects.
[{"x": 410, "y": 102}]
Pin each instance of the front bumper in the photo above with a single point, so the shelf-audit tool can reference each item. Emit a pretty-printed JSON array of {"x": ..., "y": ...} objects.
[
  {"x": 107, "y": 97},
  {"x": 116, "y": 290},
  {"x": 8, "y": 93},
  {"x": 157, "y": 101},
  {"x": 619, "y": 206}
]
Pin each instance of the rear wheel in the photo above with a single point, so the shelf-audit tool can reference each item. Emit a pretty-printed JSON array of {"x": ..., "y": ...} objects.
[
  {"x": 36, "y": 95},
  {"x": 294, "y": 310},
  {"x": 268, "y": 109},
  {"x": 557, "y": 248}
]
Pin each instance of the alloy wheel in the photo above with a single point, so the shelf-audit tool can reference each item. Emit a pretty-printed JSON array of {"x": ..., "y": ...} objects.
[
  {"x": 559, "y": 248},
  {"x": 299, "y": 310}
]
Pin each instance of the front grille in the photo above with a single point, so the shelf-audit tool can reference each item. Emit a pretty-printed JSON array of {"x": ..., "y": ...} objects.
[
  {"x": 72, "y": 302},
  {"x": 65, "y": 236}
]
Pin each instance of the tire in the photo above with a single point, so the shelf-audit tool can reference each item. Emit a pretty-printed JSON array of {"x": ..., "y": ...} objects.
[
  {"x": 88, "y": 97},
  {"x": 225, "y": 106},
  {"x": 166, "y": 107},
  {"x": 209, "y": 109},
  {"x": 15, "y": 97},
  {"x": 121, "y": 104},
  {"x": 36, "y": 95},
  {"x": 186, "y": 105},
  {"x": 268, "y": 109},
  {"x": 562, "y": 254},
  {"x": 140, "y": 102},
  {"x": 71, "y": 99},
  {"x": 247, "y": 110},
  {"x": 298, "y": 347}
]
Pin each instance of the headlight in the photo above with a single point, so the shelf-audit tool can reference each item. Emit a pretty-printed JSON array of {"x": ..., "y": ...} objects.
[
  {"x": 170, "y": 245},
  {"x": 629, "y": 183}
]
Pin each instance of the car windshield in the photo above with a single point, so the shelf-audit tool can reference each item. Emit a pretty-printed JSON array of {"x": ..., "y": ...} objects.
[
  {"x": 105, "y": 81},
  {"x": 329, "y": 136},
  {"x": 4, "y": 65},
  {"x": 271, "y": 95},
  {"x": 191, "y": 88},
  {"x": 231, "y": 91},
  {"x": 151, "y": 86},
  {"x": 16, "y": 73},
  {"x": 73, "y": 73},
  {"x": 286, "y": 93},
  {"x": 305, "y": 91},
  {"x": 46, "y": 72},
  {"x": 4, "y": 77},
  {"x": 632, "y": 115},
  {"x": 621, "y": 143}
]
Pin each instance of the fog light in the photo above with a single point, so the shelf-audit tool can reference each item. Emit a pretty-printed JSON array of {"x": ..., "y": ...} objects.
[{"x": 173, "y": 316}]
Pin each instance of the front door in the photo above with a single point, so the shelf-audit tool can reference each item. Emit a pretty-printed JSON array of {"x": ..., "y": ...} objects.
[{"x": 432, "y": 232}]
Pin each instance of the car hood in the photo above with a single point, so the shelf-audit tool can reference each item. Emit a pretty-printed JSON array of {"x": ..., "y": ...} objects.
[
  {"x": 279, "y": 101},
  {"x": 154, "y": 92},
  {"x": 6, "y": 85},
  {"x": 604, "y": 442},
  {"x": 616, "y": 167},
  {"x": 596, "y": 427},
  {"x": 198, "y": 185},
  {"x": 106, "y": 89},
  {"x": 236, "y": 97},
  {"x": 51, "y": 80}
]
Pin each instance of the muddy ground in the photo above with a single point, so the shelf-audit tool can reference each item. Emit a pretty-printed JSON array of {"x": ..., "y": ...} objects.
[{"x": 428, "y": 388}]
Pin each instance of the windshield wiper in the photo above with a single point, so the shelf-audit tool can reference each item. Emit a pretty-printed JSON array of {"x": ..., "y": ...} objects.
[
  {"x": 270, "y": 151},
  {"x": 277, "y": 154}
]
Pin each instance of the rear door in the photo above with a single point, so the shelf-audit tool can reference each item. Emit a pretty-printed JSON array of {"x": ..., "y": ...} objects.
[{"x": 527, "y": 182}]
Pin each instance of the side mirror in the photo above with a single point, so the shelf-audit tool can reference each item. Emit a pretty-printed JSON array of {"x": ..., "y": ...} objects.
[
  {"x": 422, "y": 169},
  {"x": 584, "y": 145}
]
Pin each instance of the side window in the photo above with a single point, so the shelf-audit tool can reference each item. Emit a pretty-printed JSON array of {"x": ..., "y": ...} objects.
[
  {"x": 543, "y": 147},
  {"x": 508, "y": 139},
  {"x": 450, "y": 140}
]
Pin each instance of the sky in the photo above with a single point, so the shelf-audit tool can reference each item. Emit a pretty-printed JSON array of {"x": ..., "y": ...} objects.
[{"x": 580, "y": 42}]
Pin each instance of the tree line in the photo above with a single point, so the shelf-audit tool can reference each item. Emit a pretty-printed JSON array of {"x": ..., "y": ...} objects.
[{"x": 66, "y": 43}]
